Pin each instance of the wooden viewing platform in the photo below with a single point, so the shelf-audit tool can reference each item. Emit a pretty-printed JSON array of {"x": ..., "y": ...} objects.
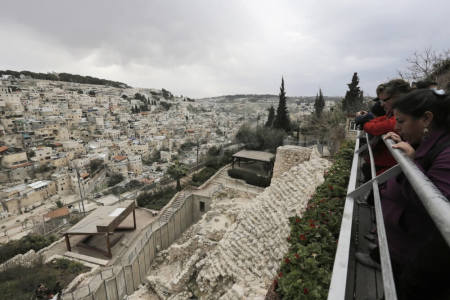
[{"x": 104, "y": 221}]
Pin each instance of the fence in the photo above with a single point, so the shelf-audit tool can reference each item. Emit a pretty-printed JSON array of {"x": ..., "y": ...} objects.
[
  {"x": 116, "y": 282},
  {"x": 434, "y": 202}
]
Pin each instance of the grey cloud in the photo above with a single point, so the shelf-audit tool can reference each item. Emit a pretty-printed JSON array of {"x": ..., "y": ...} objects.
[{"x": 206, "y": 48}]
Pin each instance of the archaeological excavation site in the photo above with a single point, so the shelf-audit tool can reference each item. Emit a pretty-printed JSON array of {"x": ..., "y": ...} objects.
[{"x": 234, "y": 250}]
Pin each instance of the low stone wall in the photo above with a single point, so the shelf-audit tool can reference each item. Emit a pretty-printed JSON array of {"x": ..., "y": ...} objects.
[
  {"x": 28, "y": 259},
  {"x": 288, "y": 156}
]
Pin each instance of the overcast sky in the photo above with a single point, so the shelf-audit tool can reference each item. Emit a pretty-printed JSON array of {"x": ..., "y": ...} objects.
[{"x": 211, "y": 48}]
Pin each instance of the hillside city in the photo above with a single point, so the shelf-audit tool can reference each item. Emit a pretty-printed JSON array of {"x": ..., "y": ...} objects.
[{"x": 59, "y": 137}]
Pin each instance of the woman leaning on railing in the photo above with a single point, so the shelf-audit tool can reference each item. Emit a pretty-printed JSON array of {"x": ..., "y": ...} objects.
[{"x": 419, "y": 254}]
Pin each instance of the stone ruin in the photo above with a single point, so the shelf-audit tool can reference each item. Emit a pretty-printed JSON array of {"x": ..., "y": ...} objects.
[{"x": 235, "y": 250}]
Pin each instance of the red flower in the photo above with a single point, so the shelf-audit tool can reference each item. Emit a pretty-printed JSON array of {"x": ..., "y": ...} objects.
[
  {"x": 297, "y": 256},
  {"x": 322, "y": 200},
  {"x": 305, "y": 291},
  {"x": 280, "y": 274},
  {"x": 330, "y": 187},
  {"x": 297, "y": 220},
  {"x": 287, "y": 260},
  {"x": 312, "y": 225},
  {"x": 302, "y": 237},
  {"x": 289, "y": 238},
  {"x": 275, "y": 282}
]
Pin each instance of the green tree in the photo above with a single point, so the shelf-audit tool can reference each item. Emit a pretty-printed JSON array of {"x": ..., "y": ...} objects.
[
  {"x": 271, "y": 117},
  {"x": 115, "y": 179},
  {"x": 353, "y": 97},
  {"x": 282, "y": 118},
  {"x": 176, "y": 171},
  {"x": 319, "y": 104},
  {"x": 95, "y": 164}
]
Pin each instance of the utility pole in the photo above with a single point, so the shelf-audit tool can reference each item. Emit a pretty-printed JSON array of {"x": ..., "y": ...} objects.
[{"x": 79, "y": 187}]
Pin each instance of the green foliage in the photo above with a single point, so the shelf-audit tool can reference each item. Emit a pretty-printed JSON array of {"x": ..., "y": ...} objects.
[
  {"x": 25, "y": 244},
  {"x": 156, "y": 200},
  {"x": 44, "y": 168},
  {"x": 165, "y": 105},
  {"x": 282, "y": 120},
  {"x": 249, "y": 177},
  {"x": 132, "y": 185},
  {"x": 261, "y": 138},
  {"x": 271, "y": 117},
  {"x": 95, "y": 164},
  {"x": 140, "y": 97},
  {"x": 319, "y": 104},
  {"x": 115, "y": 179},
  {"x": 305, "y": 272},
  {"x": 353, "y": 97},
  {"x": 20, "y": 283},
  {"x": 166, "y": 94},
  {"x": 201, "y": 177},
  {"x": 59, "y": 204},
  {"x": 188, "y": 145},
  {"x": 176, "y": 171},
  {"x": 155, "y": 156},
  {"x": 65, "y": 77}
]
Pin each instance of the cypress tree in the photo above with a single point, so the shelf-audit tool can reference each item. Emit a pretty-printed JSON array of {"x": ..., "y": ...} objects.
[
  {"x": 282, "y": 118},
  {"x": 353, "y": 97},
  {"x": 319, "y": 104},
  {"x": 271, "y": 117}
]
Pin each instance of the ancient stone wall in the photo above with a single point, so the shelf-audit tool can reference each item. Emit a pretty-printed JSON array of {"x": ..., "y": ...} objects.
[
  {"x": 235, "y": 250},
  {"x": 288, "y": 156}
]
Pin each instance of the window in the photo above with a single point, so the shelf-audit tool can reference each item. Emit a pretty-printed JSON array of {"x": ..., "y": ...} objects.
[{"x": 202, "y": 206}]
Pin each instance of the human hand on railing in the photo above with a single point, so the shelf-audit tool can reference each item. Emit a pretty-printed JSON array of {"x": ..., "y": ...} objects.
[
  {"x": 406, "y": 148},
  {"x": 393, "y": 136}
]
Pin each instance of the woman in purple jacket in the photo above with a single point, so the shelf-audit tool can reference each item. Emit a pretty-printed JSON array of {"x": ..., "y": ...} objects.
[{"x": 420, "y": 256}]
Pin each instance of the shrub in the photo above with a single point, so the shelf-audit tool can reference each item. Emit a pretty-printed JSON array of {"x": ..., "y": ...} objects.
[
  {"x": 20, "y": 283},
  {"x": 202, "y": 176},
  {"x": 95, "y": 164},
  {"x": 115, "y": 179},
  {"x": 305, "y": 271},
  {"x": 25, "y": 244},
  {"x": 249, "y": 177},
  {"x": 261, "y": 138},
  {"x": 157, "y": 199}
]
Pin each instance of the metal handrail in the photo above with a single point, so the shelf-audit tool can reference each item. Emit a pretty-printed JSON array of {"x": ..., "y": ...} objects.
[
  {"x": 386, "y": 268},
  {"x": 437, "y": 206},
  {"x": 338, "y": 282}
]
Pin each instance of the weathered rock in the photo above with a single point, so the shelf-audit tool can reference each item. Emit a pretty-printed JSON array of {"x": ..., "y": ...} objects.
[{"x": 234, "y": 251}]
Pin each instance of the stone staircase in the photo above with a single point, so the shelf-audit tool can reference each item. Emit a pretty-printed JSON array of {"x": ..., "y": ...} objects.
[{"x": 173, "y": 207}]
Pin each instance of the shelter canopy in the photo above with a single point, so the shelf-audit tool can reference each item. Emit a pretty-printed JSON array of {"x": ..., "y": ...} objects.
[{"x": 255, "y": 155}]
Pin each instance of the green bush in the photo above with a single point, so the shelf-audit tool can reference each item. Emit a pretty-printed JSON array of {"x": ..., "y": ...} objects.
[
  {"x": 261, "y": 138},
  {"x": 115, "y": 179},
  {"x": 20, "y": 283},
  {"x": 305, "y": 272},
  {"x": 155, "y": 200},
  {"x": 249, "y": 177},
  {"x": 25, "y": 244},
  {"x": 202, "y": 176}
]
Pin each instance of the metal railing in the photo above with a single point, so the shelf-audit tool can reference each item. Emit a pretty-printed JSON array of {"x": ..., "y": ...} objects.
[{"x": 437, "y": 206}]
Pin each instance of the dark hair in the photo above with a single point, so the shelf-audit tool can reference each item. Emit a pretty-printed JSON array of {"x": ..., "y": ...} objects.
[
  {"x": 380, "y": 88},
  {"x": 396, "y": 87},
  {"x": 417, "y": 102},
  {"x": 425, "y": 84}
]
